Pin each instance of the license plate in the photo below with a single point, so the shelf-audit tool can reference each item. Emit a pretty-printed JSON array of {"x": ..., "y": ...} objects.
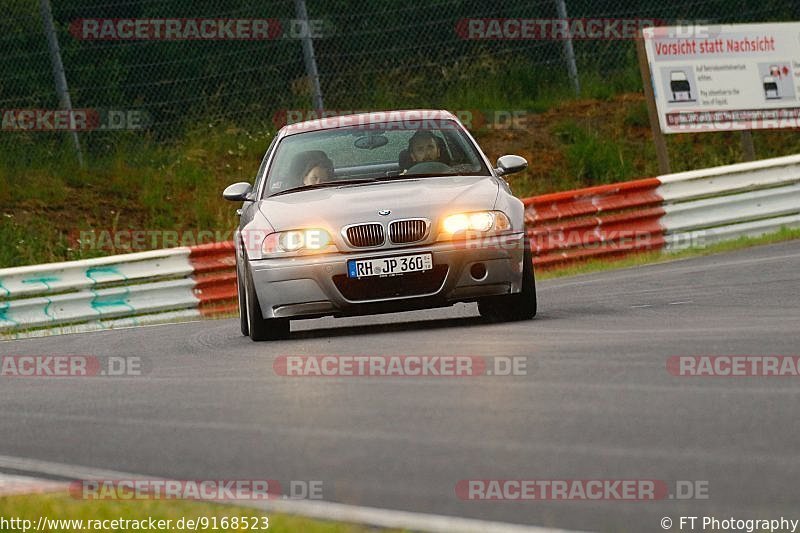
[{"x": 389, "y": 266}]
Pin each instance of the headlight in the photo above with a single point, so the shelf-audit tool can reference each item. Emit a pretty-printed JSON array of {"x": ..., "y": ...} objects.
[
  {"x": 479, "y": 222},
  {"x": 311, "y": 239}
]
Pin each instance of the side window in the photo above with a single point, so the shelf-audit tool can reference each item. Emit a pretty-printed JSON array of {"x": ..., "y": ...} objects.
[{"x": 262, "y": 170}]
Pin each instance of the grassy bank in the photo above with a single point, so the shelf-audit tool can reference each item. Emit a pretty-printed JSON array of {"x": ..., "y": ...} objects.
[
  {"x": 132, "y": 181},
  {"x": 63, "y": 507}
]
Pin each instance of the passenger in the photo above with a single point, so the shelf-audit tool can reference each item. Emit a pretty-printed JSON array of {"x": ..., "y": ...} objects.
[{"x": 313, "y": 167}]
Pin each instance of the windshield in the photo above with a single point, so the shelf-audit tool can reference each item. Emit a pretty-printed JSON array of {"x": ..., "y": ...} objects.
[{"x": 383, "y": 151}]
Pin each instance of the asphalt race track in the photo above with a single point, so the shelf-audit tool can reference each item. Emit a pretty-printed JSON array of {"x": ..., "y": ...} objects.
[{"x": 597, "y": 401}]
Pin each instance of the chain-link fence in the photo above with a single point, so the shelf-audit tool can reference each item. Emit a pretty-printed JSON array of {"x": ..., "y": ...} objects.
[{"x": 368, "y": 55}]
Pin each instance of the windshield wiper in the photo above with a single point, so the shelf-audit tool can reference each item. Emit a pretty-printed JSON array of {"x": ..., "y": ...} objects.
[
  {"x": 324, "y": 185},
  {"x": 443, "y": 175},
  {"x": 432, "y": 175},
  {"x": 389, "y": 178}
]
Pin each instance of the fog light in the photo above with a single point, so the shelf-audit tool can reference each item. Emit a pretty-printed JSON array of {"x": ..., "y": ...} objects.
[{"x": 478, "y": 271}]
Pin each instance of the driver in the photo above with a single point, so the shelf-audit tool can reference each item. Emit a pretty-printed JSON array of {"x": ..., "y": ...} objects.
[{"x": 422, "y": 147}]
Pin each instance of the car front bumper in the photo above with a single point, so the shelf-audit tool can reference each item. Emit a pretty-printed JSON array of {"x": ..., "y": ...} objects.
[{"x": 317, "y": 285}]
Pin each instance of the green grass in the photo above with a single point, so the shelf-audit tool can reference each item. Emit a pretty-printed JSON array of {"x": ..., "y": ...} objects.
[
  {"x": 129, "y": 183},
  {"x": 652, "y": 257},
  {"x": 138, "y": 181},
  {"x": 592, "y": 157},
  {"x": 61, "y": 506},
  {"x": 636, "y": 116}
]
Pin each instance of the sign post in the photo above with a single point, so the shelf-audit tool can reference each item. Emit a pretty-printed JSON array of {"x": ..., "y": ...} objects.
[
  {"x": 658, "y": 137},
  {"x": 748, "y": 148}
]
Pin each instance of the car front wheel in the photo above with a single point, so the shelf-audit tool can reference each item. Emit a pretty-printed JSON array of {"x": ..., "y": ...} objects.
[
  {"x": 512, "y": 307},
  {"x": 242, "y": 303},
  {"x": 260, "y": 328}
]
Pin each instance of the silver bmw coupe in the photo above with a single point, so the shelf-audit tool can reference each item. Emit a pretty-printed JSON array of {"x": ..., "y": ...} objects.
[{"x": 379, "y": 212}]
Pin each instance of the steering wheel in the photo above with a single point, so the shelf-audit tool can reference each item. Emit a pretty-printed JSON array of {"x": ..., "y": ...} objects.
[
  {"x": 429, "y": 167},
  {"x": 463, "y": 167}
]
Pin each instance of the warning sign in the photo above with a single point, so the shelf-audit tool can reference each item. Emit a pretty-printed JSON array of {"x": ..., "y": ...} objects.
[{"x": 725, "y": 77}]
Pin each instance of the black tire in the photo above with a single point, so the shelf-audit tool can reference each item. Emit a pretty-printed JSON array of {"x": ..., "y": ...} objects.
[
  {"x": 260, "y": 328},
  {"x": 513, "y": 307},
  {"x": 242, "y": 303}
]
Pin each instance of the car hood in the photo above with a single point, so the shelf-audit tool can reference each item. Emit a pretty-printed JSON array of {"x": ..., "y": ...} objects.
[{"x": 334, "y": 207}]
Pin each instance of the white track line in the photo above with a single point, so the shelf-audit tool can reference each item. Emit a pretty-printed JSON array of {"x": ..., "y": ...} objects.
[
  {"x": 676, "y": 266},
  {"x": 384, "y": 518}
]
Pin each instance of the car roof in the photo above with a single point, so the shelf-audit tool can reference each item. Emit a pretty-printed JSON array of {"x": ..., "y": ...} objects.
[{"x": 412, "y": 116}]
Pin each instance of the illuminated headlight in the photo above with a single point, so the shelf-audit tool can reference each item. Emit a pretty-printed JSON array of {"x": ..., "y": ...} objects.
[
  {"x": 479, "y": 222},
  {"x": 311, "y": 239}
]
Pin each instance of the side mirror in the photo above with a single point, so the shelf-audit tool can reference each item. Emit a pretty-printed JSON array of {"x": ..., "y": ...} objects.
[
  {"x": 509, "y": 164},
  {"x": 238, "y": 192}
]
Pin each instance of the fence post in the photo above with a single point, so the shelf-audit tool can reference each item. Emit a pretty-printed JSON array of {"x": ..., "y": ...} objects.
[
  {"x": 58, "y": 73},
  {"x": 569, "y": 52},
  {"x": 308, "y": 54}
]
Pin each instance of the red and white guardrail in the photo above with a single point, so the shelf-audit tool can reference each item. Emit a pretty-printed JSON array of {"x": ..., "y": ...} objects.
[
  {"x": 688, "y": 209},
  {"x": 669, "y": 212}
]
